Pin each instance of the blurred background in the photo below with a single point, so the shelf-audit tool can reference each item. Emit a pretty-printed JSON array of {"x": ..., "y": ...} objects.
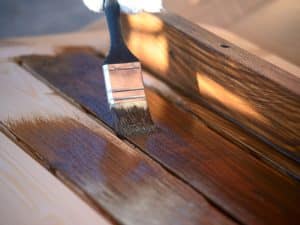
[
  {"x": 260, "y": 26},
  {"x": 36, "y": 17}
]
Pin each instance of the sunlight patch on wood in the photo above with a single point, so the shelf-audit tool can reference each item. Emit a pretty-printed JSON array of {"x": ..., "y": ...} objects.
[
  {"x": 147, "y": 40},
  {"x": 213, "y": 90}
]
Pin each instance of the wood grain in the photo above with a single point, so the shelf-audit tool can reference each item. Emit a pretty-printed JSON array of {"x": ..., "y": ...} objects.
[
  {"x": 105, "y": 171},
  {"x": 258, "y": 50},
  {"x": 256, "y": 95},
  {"x": 227, "y": 129},
  {"x": 33, "y": 196},
  {"x": 241, "y": 29},
  {"x": 241, "y": 185}
]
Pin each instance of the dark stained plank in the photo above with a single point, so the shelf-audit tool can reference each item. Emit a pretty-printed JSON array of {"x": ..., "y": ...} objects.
[
  {"x": 129, "y": 186},
  {"x": 241, "y": 185},
  {"x": 256, "y": 95},
  {"x": 109, "y": 174}
]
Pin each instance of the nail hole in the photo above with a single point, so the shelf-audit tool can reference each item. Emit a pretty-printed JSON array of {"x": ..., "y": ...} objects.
[
  {"x": 171, "y": 53},
  {"x": 225, "y": 46}
]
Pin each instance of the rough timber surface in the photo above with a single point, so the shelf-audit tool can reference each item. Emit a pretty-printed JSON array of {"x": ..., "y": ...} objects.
[
  {"x": 108, "y": 173},
  {"x": 241, "y": 185}
]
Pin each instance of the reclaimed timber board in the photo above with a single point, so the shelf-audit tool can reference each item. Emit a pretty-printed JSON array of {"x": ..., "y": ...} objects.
[
  {"x": 261, "y": 98},
  {"x": 233, "y": 180},
  {"x": 117, "y": 179}
]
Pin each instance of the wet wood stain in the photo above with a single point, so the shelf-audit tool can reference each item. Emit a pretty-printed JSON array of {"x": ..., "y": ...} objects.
[{"x": 128, "y": 185}]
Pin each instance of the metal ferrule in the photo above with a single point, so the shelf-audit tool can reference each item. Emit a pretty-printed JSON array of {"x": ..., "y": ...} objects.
[{"x": 123, "y": 83}]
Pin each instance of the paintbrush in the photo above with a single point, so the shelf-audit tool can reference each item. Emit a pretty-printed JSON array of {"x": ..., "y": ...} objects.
[{"x": 123, "y": 81}]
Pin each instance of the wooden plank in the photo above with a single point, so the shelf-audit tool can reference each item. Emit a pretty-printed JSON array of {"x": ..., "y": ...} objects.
[
  {"x": 256, "y": 44},
  {"x": 33, "y": 196},
  {"x": 273, "y": 25},
  {"x": 228, "y": 130},
  {"x": 258, "y": 96},
  {"x": 91, "y": 160},
  {"x": 255, "y": 49},
  {"x": 31, "y": 45},
  {"x": 236, "y": 182}
]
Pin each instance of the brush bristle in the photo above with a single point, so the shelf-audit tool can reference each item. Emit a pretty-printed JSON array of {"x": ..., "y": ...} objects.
[{"x": 132, "y": 121}]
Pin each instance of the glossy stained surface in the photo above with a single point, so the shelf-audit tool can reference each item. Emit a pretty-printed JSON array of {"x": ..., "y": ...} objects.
[
  {"x": 229, "y": 130},
  {"x": 234, "y": 181},
  {"x": 128, "y": 185}
]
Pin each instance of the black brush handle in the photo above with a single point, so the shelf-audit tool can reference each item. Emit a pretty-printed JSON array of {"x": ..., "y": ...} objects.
[{"x": 118, "y": 53}]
